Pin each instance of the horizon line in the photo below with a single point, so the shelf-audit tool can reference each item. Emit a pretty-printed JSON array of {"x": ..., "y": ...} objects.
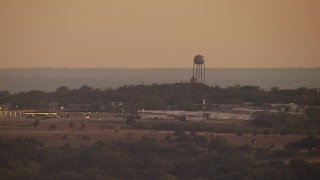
[{"x": 158, "y": 67}]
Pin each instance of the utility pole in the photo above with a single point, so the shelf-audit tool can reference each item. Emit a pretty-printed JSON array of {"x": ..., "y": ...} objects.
[
  {"x": 122, "y": 112},
  {"x": 203, "y": 108}
]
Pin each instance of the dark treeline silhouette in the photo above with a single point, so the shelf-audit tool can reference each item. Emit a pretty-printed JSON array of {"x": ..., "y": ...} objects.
[
  {"x": 26, "y": 158},
  {"x": 311, "y": 143},
  {"x": 184, "y": 96},
  {"x": 48, "y": 79}
]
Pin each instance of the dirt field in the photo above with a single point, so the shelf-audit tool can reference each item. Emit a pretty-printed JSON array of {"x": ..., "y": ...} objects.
[{"x": 76, "y": 132}]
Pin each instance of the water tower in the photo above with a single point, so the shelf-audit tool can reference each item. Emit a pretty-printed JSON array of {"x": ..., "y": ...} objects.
[{"x": 199, "y": 70}]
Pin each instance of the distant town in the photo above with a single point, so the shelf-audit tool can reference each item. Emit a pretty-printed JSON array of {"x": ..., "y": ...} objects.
[{"x": 181, "y": 101}]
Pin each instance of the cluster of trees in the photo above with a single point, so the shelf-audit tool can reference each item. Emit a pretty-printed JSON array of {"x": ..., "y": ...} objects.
[
  {"x": 313, "y": 114},
  {"x": 147, "y": 159},
  {"x": 161, "y": 96},
  {"x": 288, "y": 122},
  {"x": 311, "y": 143},
  {"x": 277, "y": 120}
]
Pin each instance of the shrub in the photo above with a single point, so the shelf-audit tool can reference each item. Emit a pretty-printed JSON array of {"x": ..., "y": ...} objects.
[
  {"x": 200, "y": 140},
  {"x": 284, "y": 133},
  {"x": 130, "y": 120},
  {"x": 168, "y": 138},
  {"x": 239, "y": 133},
  {"x": 129, "y": 136},
  {"x": 85, "y": 138},
  {"x": 263, "y": 153},
  {"x": 255, "y": 133},
  {"x": 64, "y": 137},
  {"x": 181, "y": 138},
  {"x": 284, "y": 153},
  {"x": 217, "y": 143},
  {"x": 71, "y": 124},
  {"x": 180, "y": 132},
  {"x": 53, "y": 126},
  {"x": 266, "y": 132},
  {"x": 35, "y": 123},
  {"x": 247, "y": 148}
]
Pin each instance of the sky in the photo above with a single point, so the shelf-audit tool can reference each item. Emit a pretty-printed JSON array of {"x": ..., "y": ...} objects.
[{"x": 159, "y": 33}]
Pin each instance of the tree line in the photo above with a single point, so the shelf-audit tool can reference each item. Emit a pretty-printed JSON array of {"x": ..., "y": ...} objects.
[
  {"x": 27, "y": 158},
  {"x": 183, "y": 96}
]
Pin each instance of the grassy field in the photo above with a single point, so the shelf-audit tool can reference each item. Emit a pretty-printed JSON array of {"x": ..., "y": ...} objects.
[{"x": 78, "y": 131}]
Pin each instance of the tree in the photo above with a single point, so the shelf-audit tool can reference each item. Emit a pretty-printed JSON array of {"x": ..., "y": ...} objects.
[
  {"x": 266, "y": 119},
  {"x": 218, "y": 144},
  {"x": 180, "y": 134},
  {"x": 62, "y": 90},
  {"x": 304, "y": 170},
  {"x": 310, "y": 143},
  {"x": 200, "y": 140},
  {"x": 293, "y": 145},
  {"x": 35, "y": 123},
  {"x": 4, "y": 96},
  {"x": 276, "y": 120},
  {"x": 71, "y": 124},
  {"x": 313, "y": 114},
  {"x": 53, "y": 126},
  {"x": 263, "y": 153}
]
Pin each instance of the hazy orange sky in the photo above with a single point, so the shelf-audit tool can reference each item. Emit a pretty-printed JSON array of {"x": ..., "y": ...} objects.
[{"x": 159, "y": 33}]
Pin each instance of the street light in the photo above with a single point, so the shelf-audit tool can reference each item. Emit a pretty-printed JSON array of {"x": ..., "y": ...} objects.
[
  {"x": 203, "y": 109},
  {"x": 62, "y": 110},
  {"x": 122, "y": 112}
]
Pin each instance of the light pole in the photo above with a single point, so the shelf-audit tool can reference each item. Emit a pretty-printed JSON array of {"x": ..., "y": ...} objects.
[
  {"x": 203, "y": 108},
  {"x": 142, "y": 114},
  {"x": 62, "y": 110},
  {"x": 122, "y": 111}
]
